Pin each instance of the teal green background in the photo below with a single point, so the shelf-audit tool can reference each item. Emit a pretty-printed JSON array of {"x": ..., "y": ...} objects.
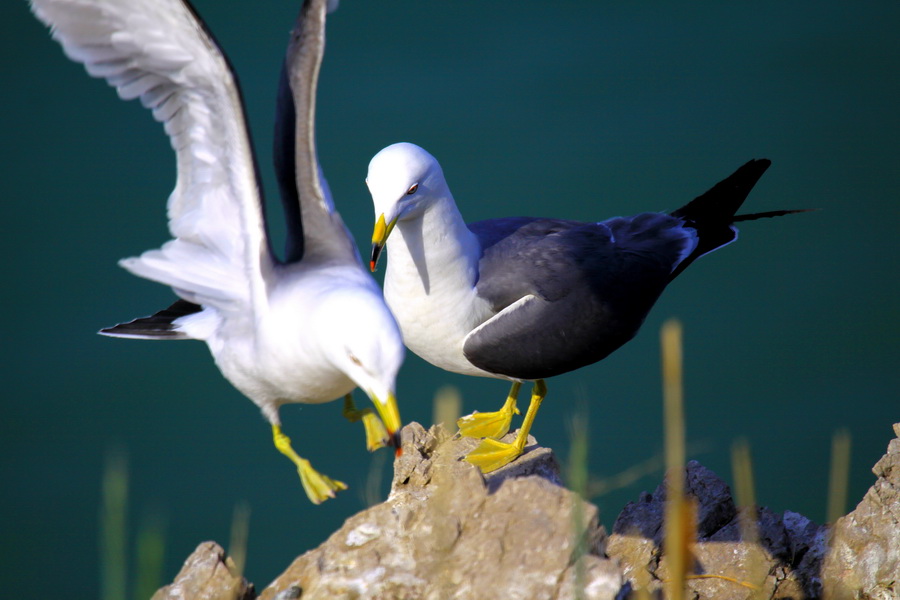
[{"x": 582, "y": 110}]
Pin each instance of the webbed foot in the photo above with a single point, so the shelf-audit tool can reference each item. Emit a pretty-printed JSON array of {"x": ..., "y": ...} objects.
[
  {"x": 491, "y": 424},
  {"x": 318, "y": 487},
  {"x": 377, "y": 435},
  {"x": 490, "y": 454}
]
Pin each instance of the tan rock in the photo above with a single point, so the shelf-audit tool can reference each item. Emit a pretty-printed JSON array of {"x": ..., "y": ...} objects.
[
  {"x": 864, "y": 561},
  {"x": 207, "y": 574},
  {"x": 447, "y": 531}
]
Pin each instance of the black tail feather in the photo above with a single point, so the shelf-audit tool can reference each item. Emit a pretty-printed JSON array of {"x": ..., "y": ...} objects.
[
  {"x": 714, "y": 213},
  {"x": 157, "y": 326},
  {"x": 719, "y": 205},
  {"x": 770, "y": 213}
]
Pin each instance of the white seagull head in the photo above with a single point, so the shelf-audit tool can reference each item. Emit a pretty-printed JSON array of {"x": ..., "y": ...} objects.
[
  {"x": 364, "y": 342},
  {"x": 404, "y": 180}
]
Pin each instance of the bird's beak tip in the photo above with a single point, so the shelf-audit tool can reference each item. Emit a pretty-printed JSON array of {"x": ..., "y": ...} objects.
[
  {"x": 396, "y": 443},
  {"x": 373, "y": 259}
]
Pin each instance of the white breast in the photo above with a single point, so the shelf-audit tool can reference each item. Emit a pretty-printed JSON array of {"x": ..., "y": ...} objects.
[{"x": 429, "y": 286}]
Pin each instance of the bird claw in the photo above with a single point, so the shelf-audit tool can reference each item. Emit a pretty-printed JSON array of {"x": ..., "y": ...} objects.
[
  {"x": 486, "y": 424},
  {"x": 318, "y": 487},
  {"x": 376, "y": 433},
  {"x": 490, "y": 455}
]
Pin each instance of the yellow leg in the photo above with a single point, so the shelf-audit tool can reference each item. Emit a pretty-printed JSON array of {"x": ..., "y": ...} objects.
[
  {"x": 376, "y": 434},
  {"x": 490, "y": 455},
  {"x": 317, "y": 486},
  {"x": 491, "y": 424}
]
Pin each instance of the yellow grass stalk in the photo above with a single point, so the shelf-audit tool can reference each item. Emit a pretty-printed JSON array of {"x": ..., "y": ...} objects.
[
  {"x": 447, "y": 406},
  {"x": 113, "y": 527},
  {"x": 240, "y": 532},
  {"x": 839, "y": 476},
  {"x": 676, "y": 544}
]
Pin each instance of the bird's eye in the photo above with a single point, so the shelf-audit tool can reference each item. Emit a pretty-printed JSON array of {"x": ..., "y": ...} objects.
[
  {"x": 412, "y": 189},
  {"x": 355, "y": 360}
]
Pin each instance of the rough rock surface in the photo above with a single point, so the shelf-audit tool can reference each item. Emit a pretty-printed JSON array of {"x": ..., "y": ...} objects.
[
  {"x": 784, "y": 563},
  {"x": 207, "y": 574},
  {"x": 447, "y": 531},
  {"x": 864, "y": 562}
]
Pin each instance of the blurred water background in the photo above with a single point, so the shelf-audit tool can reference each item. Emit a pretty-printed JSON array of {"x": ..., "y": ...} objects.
[{"x": 576, "y": 109}]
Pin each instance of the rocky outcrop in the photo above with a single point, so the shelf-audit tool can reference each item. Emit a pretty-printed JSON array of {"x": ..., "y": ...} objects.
[
  {"x": 777, "y": 556},
  {"x": 207, "y": 574},
  {"x": 864, "y": 562},
  {"x": 447, "y": 531}
]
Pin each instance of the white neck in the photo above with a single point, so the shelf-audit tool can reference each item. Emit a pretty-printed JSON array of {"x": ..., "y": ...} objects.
[
  {"x": 435, "y": 252},
  {"x": 429, "y": 285}
]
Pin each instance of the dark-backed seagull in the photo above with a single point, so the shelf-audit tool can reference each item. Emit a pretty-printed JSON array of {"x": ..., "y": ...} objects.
[
  {"x": 521, "y": 298},
  {"x": 307, "y": 329}
]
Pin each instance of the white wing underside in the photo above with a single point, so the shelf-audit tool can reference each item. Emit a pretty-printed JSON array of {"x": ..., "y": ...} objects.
[{"x": 156, "y": 50}]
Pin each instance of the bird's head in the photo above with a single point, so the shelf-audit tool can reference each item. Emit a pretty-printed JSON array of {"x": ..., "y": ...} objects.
[
  {"x": 368, "y": 348},
  {"x": 403, "y": 180}
]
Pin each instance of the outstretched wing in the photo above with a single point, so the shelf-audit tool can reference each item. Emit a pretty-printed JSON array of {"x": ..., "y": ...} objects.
[
  {"x": 160, "y": 51},
  {"x": 319, "y": 232}
]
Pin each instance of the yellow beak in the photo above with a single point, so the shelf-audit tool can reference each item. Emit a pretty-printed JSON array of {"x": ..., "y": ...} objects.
[
  {"x": 390, "y": 416},
  {"x": 379, "y": 237},
  {"x": 389, "y": 413}
]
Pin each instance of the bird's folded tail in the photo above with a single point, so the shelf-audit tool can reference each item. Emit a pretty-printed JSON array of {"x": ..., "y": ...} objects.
[
  {"x": 158, "y": 326},
  {"x": 714, "y": 213},
  {"x": 720, "y": 204},
  {"x": 769, "y": 214}
]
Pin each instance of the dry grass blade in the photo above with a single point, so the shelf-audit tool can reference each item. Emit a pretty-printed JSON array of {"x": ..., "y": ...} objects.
[
  {"x": 372, "y": 493},
  {"x": 840, "y": 475},
  {"x": 150, "y": 556},
  {"x": 744, "y": 489},
  {"x": 113, "y": 524},
  {"x": 240, "y": 532},
  {"x": 447, "y": 406},
  {"x": 676, "y": 544}
]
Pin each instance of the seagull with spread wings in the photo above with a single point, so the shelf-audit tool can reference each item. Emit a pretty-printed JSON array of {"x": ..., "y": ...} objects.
[{"x": 308, "y": 328}]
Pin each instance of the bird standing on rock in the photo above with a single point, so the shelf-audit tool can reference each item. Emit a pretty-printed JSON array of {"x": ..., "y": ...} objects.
[
  {"x": 524, "y": 298},
  {"x": 309, "y": 328}
]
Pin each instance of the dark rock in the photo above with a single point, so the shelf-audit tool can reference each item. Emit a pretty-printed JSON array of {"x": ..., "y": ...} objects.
[
  {"x": 725, "y": 564},
  {"x": 207, "y": 574}
]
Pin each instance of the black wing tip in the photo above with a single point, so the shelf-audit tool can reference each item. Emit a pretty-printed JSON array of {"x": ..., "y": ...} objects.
[
  {"x": 157, "y": 326},
  {"x": 131, "y": 331}
]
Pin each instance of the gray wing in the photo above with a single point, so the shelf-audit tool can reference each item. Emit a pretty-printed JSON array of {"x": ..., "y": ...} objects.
[
  {"x": 318, "y": 230},
  {"x": 568, "y": 293}
]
